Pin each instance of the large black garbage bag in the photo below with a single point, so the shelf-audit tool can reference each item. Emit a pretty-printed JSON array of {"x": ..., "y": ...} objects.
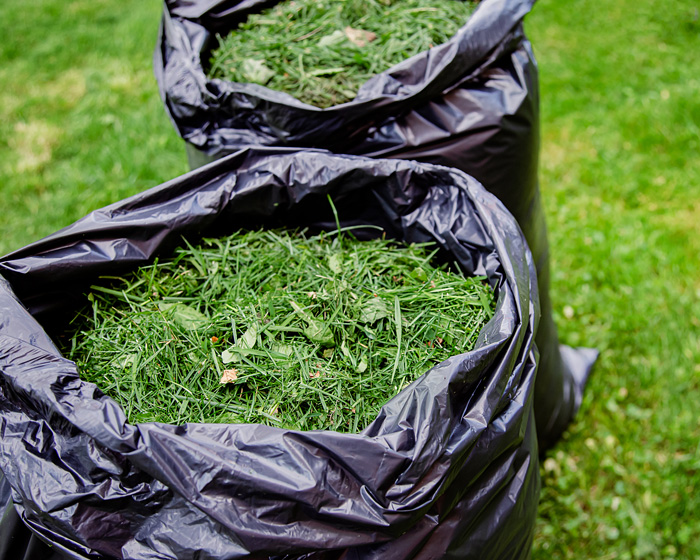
[
  {"x": 449, "y": 469},
  {"x": 471, "y": 103}
]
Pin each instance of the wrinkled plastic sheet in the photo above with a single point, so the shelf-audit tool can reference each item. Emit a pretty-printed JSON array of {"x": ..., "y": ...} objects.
[
  {"x": 449, "y": 469},
  {"x": 17, "y": 542},
  {"x": 471, "y": 103}
]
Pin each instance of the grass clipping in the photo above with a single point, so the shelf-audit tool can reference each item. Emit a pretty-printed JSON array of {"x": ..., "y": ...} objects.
[
  {"x": 275, "y": 328},
  {"x": 322, "y": 52}
]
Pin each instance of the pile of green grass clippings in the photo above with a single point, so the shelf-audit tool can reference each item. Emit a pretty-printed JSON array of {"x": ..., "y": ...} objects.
[
  {"x": 322, "y": 52},
  {"x": 272, "y": 327}
]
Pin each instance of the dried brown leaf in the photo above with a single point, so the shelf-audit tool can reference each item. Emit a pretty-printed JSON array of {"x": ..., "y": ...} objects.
[
  {"x": 360, "y": 37},
  {"x": 229, "y": 376}
]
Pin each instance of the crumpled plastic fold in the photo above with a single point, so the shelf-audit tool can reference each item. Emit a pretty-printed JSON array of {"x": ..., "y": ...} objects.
[{"x": 449, "y": 468}]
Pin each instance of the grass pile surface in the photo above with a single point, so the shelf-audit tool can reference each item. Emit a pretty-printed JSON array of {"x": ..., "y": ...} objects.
[
  {"x": 322, "y": 52},
  {"x": 276, "y": 328}
]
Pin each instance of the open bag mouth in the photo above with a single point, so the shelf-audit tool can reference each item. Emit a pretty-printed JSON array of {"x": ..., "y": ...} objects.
[{"x": 212, "y": 113}]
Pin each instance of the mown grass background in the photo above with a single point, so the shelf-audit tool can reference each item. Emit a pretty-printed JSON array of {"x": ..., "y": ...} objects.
[
  {"x": 81, "y": 122},
  {"x": 81, "y": 125}
]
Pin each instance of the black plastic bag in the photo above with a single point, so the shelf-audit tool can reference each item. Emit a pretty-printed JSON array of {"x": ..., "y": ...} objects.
[
  {"x": 449, "y": 469},
  {"x": 471, "y": 103}
]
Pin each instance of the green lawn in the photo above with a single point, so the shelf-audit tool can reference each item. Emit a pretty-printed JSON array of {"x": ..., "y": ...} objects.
[
  {"x": 81, "y": 122},
  {"x": 81, "y": 125},
  {"x": 620, "y": 90}
]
